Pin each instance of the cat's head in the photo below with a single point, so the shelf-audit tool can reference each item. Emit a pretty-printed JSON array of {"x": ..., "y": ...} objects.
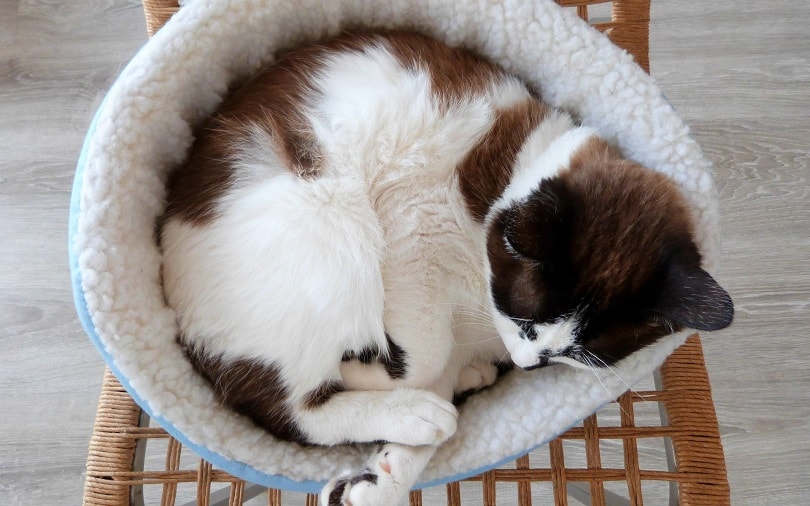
[{"x": 596, "y": 261}]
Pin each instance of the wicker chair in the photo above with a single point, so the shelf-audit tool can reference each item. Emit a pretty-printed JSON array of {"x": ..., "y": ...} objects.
[{"x": 604, "y": 460}]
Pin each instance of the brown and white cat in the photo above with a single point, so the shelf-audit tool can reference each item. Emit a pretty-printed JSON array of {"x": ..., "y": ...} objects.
[{"x": 370, "y": 225}]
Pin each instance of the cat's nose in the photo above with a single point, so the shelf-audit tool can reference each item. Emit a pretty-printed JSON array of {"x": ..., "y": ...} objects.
[{"x": 541, "y": 362}]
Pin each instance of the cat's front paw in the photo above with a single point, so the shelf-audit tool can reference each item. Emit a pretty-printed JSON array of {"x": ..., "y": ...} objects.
[
  {"x": 386, "y": 481},
  {"x": 418, "y": 417}
]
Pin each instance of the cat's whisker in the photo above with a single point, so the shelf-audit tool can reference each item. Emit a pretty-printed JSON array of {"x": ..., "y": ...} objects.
[
  {"x": 473, "y": 343},
  {"x": 612, "y": 370},
  {"x": 466, "y": 310},
  {"x": 594, "y": 369},
  {"x": 473, "y": 312},
  {"x": 473, "y": 325},
  {"x": 476, "y": 317}
]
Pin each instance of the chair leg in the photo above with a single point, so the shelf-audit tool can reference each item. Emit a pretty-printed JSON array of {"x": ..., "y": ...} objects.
[
  {"x": 136, "y": 491},
  {"x": 111, "y": 452},
  {"x": 668, "y": 449},
  {"x": 581, "y": 494}
]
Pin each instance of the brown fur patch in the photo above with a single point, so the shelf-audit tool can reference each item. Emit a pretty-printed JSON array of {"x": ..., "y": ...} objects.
[
  {"x": 251, "y": 388},
  {"x": 487, "y": 169},
  {"x": 322, "y": 394},
  {"x": 636, "y": 214},
  {"x": 517, "y": 289},
  {"x": 455, "y": 73},
  {"x": 195, "y": 187},
  {"x": 272, "y": 100}
]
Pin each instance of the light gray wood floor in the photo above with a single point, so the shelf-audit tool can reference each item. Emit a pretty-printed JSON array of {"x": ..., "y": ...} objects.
[{"x": 737, "y": 70}]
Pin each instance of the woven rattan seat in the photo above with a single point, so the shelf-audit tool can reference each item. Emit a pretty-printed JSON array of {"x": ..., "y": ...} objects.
[{"x": 603, "y": 460}]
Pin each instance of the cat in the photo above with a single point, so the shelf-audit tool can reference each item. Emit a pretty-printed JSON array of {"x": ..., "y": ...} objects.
[{"x": 374, "y": 224}]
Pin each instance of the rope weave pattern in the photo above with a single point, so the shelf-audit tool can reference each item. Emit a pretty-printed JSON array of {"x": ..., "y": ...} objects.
[{"x": 700, "y": 475}]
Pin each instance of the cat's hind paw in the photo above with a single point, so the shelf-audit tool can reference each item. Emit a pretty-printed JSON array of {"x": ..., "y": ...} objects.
[
  {"x": 339, "y": 492},
  {"x": 386, "y": 481},
  {"x": 476, "y": 376}
]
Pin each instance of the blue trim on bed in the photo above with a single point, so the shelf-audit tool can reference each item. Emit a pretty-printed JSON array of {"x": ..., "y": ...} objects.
[{"x": 236, "y": 468}]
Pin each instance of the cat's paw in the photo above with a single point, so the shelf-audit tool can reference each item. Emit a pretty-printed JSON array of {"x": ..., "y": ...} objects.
[
  {"x": 351, "y": 490},
  {"x": 386, "y": 481},
  {"x": 476, "y": 376},
  {"x": 418, "y": 417}
]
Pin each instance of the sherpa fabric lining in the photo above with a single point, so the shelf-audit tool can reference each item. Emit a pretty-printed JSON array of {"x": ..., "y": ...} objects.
[{"x": 144, "y": 128}]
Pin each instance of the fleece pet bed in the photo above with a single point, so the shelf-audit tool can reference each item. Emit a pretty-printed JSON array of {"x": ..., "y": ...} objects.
[{"x": 144, "y": 127}]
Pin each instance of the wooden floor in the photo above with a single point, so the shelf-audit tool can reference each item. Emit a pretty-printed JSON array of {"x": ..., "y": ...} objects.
[{"x": 737, "y": 70}]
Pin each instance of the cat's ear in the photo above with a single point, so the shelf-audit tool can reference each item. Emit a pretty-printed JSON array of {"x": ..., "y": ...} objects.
[
  {"x": 692, "y": 298},
  {"x": 535, "y": 224}
]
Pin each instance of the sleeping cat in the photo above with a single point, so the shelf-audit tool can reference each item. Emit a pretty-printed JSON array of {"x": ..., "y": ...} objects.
[{"x": 372, "y": 224}]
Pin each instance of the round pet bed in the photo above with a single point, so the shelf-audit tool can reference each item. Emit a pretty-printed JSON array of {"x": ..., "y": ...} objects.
[{"x": 144, "y": 127}]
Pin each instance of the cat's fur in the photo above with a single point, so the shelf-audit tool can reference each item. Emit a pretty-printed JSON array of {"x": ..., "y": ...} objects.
[{"x": 369, "y": 225}]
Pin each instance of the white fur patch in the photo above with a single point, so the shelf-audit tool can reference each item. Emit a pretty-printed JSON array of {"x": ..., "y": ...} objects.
[
  {"x": 543, "y": 157},
  {"x": 257, "y": 158},
  {"x": 556, "y": 337},
  {"x": 552, "y": 338},
  {"x": 381, "y": 122},
  {"x": 308, "y": 263}
]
